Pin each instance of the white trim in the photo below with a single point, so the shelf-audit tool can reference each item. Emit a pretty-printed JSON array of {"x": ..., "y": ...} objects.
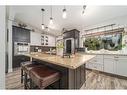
[
  {"x": 10, "y": 70},
  {"x": 3, "y": 46}
]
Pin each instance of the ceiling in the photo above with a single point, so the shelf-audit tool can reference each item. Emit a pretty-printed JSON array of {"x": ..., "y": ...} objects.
[{"x": 93, "y": 14}]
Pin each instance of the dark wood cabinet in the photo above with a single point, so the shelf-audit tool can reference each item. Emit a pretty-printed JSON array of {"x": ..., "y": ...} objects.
[
  {"x": 21, "y": 34},
  {"x": 71, "y": 34},
  {"x": 18, "y": 59}
]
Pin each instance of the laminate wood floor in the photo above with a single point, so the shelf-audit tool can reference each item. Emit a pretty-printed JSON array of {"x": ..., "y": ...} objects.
[{"x": 94, "y": 80}]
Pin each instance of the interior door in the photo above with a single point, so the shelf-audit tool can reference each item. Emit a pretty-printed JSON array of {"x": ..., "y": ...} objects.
[{"x": 68, "y": 46}]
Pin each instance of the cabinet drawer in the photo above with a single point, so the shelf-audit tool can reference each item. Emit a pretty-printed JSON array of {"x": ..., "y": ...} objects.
[
  {"x": 99, "y": 56},
  {"x": 96, "y": 61},
  {"x": 98, "y": 67},
  {"x": 109, "y": 56},
  {"x": 120, "y": 57},
  {"x": 95, "y": 67}
]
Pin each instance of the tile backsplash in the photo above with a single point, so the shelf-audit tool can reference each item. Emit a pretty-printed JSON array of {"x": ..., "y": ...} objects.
[{"x": 34, "y": 48}]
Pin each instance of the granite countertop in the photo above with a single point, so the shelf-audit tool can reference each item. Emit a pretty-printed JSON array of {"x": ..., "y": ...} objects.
[
  {"x": 117, "y": 54},
  {"x": 72, "y": 63}
]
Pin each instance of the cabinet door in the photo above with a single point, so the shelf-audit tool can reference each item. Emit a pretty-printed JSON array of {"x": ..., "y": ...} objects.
[
  {"x": 94, "y": 66},
  {"x": 24, "y": 35},
  {"x": 121, "y": 66},
  {"x": 109, "y": 65},
  {"x": 21, "y": 34}
]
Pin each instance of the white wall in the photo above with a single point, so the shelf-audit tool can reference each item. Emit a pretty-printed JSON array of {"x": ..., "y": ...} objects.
[
  {"x": 10, "y": 23},
  {"x": 2, "y": 47},
  {"x": 36, "y": 39}
]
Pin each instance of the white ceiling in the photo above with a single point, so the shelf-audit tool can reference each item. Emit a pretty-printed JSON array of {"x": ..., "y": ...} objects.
[{"x": 93, "y": 14}]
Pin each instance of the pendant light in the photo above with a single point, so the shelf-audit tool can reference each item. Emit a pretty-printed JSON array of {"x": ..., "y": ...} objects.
[
  {"x": 51, "y": 19},
  {"x": 42, "y": 25},
  {"x": 83, "y": 12},
  {"x": 64, "y": 13},
  {"x": 47, "y": 29}
]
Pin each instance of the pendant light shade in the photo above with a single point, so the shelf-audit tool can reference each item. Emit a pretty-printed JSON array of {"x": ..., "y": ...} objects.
[
  {"x": 42, "y": 25},
  {"x": 51, "y": 19},
  {"x": 47, "y": 29},
  {"x": 83, "y": 12},
  {"x": 64, "y": 13}
]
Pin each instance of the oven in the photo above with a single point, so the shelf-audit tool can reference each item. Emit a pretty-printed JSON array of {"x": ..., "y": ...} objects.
[{"x": 21, "y": 48}]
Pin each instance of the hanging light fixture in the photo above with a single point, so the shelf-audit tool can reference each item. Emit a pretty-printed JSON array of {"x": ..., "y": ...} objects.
[
  {"x": 42, "y": 25},
  {"x": 47, "y": 29},
  {"x": 83, "y": 12},
  {"x": 51, "y": 19},
  {"x": 64, "y": 13}
]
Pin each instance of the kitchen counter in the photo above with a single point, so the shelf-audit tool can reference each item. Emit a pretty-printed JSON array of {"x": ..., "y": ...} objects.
[
  {"x": 73, "y": 69},
  {"x": 74, "y": 62},
  {"x": 117, "y": 54}
]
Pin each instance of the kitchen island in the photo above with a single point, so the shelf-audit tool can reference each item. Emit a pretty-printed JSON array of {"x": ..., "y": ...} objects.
[{"x": 72, "y": 69}]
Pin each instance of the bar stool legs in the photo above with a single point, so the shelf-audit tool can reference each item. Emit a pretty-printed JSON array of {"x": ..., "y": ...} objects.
[
  {"x": 25, "y": 80},
  {"x": 31, "y": 84},
  {"x": 59, "y": 83},
  {"x": 28, "y": 84},
  {"x": 22, "y": 75}
]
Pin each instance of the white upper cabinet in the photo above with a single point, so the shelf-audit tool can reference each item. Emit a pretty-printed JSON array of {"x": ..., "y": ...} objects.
[{"x": 36, "y": 39}]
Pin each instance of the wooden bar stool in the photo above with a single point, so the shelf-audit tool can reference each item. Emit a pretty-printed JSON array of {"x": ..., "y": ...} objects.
[
  {"x": 44, "y": 76},
  {"x": 23, "y": 64},
  {"x": 25, "y": 68}
]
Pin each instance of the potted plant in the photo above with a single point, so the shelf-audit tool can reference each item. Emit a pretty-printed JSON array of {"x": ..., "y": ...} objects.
[{"x": 60, "y": 48}]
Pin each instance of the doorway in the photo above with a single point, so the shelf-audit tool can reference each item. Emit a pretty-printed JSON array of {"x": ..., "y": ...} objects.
[{"x": 68, "y": 46}]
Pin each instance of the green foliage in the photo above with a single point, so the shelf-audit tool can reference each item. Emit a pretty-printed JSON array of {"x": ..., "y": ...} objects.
[
  {"x": 92, "y": 43},
  {"x": 124, "y": 45},
  {"x": 60, "y": 45},
  {"x": 97, "y": 43}
]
